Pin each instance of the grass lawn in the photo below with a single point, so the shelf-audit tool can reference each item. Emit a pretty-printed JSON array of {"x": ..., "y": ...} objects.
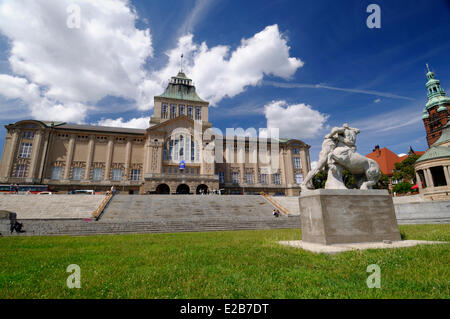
[{"x": 241, "y": 264}]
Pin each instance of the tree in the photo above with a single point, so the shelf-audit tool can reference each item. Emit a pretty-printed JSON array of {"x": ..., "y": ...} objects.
[
  {"x": 404, "y": 171},
  {"x": 402, "y": 188},
  {"x": 321, "y": 178},
  {"x": 383, "y": 182}
]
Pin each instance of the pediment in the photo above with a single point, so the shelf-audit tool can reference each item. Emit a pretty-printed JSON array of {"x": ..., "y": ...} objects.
[{"x": 168, "y": 126}]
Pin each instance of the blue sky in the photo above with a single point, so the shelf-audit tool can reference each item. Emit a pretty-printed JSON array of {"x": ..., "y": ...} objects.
[{"x": 373, "y": 79}]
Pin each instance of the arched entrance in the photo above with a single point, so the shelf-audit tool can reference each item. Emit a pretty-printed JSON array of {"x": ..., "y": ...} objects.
[
  {"x": 183, "y": 189},
  {"x": 163, "y": 189},
  {"x": 202, "y": 189}
]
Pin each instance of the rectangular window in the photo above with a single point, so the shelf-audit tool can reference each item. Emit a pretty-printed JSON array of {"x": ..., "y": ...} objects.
[
  {"x": 297, "y": 163},
  {"x": 198, "y": 113},
  {"x": 164, "y": 111},
  {"x": 249, "y": 178},
  {"x": 56, "y": 173},
  {"x": 295, "y": 151},
  {"x": 235, "y": 177},
  {"x": 21, "y": 170},
  {"x": 117, "y": 174},
  {"x": 77, "y": 173},
  {"x": 298, "y": 178},
  {"x": 276, "y": 179},
  {"x": 221, "y": 177},
  {"x": 25, "y": 150},
  {"x": 263, "y": 178},
  {"x": 173, "y": 111},
  {"x": 170, "y": 150},
  {"x": 135, "y": 174},
  {"x": 181, "y": 109},
  {"x": 97, "y": 174},
  {"x": 189, "y": 111},
  {"x": 28, "y": 135}
]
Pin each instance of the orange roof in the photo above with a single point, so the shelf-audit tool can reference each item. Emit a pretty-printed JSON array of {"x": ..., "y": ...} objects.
[
  {"x": 402, "y": 158},
  {"x": 386, "y": 159}
]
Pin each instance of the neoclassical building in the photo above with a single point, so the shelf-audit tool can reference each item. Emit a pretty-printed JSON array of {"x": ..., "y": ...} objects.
[{"x": 177, "y": 153}]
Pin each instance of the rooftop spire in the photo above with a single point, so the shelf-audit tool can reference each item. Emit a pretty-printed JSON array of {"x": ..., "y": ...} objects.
[{"x": 181, "y": 63}]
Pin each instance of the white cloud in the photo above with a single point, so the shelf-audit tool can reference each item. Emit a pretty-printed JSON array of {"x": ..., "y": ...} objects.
[
  {"x": 401, "y": 154},
  {"x": 377, "y": 101},
  {"x": 73, "y": 67},
  {"x": 294, "y": 121},
  {"x": 313, "y": 164},
  {"x": 219, "y": 73},
  {"x": 141, "y": 122},
  {"x": 61, "y": 73}
]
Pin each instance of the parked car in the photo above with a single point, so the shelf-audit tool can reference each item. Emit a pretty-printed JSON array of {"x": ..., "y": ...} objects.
[
  {"x": 45, "y": 193},
  {"x": 279, "y": 194},
  {"x": 82, "y": 192}
]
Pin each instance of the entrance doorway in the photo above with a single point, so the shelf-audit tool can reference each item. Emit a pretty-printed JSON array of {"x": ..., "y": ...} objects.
[
  {"x": 163, "y": 189},
  {"x": 202, "y": 189},
  {"x": 183, "y": 189}
]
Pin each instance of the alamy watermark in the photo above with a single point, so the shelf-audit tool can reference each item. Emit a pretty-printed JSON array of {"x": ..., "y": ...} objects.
[
  {"x": 74, "y": 280},
  {"x": 74, "y": 16},
  {"x": 374, "y": 280},
  {"x": 374, "y": 19}
]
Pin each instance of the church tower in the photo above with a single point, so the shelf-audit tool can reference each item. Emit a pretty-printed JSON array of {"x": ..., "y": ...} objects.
[{"x": 436, "y": 112}]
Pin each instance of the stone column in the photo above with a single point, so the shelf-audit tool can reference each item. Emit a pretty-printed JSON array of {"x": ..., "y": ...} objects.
[
  {"x": 36, "y": 150},
  {"x": 419, "y": 181},
  {"x": 69, "y": 157},
  {"x": 12, "y": 153},
  {"x": 430, "y": 178},
  {"x": 109, "y": 157},
  {"x": 127, "y": 160},
  {"x": 44, "y": 155},
  {"x": 90, "y": 157},
  {"x": 447, "y": 175}
]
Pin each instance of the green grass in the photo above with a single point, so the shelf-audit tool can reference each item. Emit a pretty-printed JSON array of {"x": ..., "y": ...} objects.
[{"x": 241, "y": 264}]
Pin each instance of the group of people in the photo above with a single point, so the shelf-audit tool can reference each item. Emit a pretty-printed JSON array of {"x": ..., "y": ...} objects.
[
  {"x": 276, "y": 213},
  {"x": 16, "y": 226},
  {"x": 14, "y": 188}
]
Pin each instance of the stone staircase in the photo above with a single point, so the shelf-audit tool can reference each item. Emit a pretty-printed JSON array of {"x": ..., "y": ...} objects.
[
  {"x": 84, "y": 228},
  {"x": 168, "y": 214},
  {"x": 185, "y": 207},
  {"x": 289, "y": 203},
  {"x": 50, "y": 206}
]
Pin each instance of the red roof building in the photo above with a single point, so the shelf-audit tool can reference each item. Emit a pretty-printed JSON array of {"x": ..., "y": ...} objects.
[{"x": 386, "y": 159}]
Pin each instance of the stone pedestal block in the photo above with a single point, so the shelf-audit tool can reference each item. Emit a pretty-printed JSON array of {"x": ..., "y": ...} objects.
[{"x": 330, "y": 216}]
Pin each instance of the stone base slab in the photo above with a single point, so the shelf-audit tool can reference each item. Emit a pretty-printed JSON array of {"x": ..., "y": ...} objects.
[
  {"x": 331, "y": 216},
  {"x": 339, "y": 248}
]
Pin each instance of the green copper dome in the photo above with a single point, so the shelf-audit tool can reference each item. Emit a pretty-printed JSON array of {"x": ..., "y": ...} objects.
[
  {"x": 181, "y": 88},
  {"x": 435, "y": 93},
  {"x": 442, "y": 108}
]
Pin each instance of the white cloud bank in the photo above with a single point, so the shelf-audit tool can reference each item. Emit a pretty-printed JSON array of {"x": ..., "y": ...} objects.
[
  {"x": 297, "y": 120},
  {"x": 61, "y": 73},
  {"x": 141, "y": 122}
]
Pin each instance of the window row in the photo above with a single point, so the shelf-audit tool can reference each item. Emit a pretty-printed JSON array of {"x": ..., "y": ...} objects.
[
  {"x": 178, "y": 110},
  {"x": 263, "y": 178},
  {"x": 97, "y": 174},
  {"x": 249, "y": 178},
  {"x": 177, "y": 170}
]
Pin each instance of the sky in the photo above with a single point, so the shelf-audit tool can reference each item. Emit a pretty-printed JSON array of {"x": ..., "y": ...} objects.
[{"x": 300, "y": 66}]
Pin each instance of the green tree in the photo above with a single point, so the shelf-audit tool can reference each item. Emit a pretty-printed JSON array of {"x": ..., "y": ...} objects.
[
  {"x": 404, "y": 171},
  {"x": 402, "y": 188},
  {"x": 383, "y": 182},
  {"x": 321, "y": 178}
]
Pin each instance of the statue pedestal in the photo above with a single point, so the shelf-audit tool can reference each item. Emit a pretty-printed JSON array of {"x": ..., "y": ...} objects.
[{"x": 335, "y": 216}]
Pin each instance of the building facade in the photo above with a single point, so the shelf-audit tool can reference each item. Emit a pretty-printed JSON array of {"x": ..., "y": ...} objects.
[
  {"x": 433, "y": 168},
  {"x": 178, "y": 153},
  {"x": 435, "y": 113}
]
